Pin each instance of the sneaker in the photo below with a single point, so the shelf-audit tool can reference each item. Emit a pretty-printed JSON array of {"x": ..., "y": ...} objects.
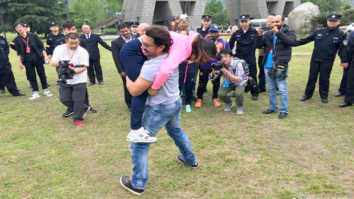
[
  {"x": 47, "y": 93},
  {"x": 198, "y": 104},
  {"x": 34, "y": 95},
  {"x": 140, "y": 136},
  {"x": 125, "y": 182},
  {"x": 87, "y": 109},
  {"x": 91, "y": 110},
  {"x": 239, "y": 110},
  {"x": 188, "y": 108},
  {"x": 229, "y": 106},
  {"x": 68, "y": 113},
  {"x": 2, "y": 91},
  {"x": 181, "y": 160},
  {"x": 79, "y": 123},
  {"x": 216, "y": 103}
]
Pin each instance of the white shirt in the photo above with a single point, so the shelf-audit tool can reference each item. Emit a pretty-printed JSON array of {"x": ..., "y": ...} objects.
[
  {"x": 88, "y": 35},
  {"x": 126, "y": 40},
  {"x": 79, "y": 57}
]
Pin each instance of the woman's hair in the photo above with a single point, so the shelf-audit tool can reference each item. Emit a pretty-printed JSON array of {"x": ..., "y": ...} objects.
[{"x": 204, "y": 50}]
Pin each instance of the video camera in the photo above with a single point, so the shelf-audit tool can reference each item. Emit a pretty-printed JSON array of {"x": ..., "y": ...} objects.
[
  {"x": 218, "y": 66},
  {"x": 66, "y": 71}
]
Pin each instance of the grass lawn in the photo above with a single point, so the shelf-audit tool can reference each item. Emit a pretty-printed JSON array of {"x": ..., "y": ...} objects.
[{"x": 309, "y": 154}]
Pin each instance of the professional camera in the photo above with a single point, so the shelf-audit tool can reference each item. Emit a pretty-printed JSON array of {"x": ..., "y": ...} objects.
[
  {"x": 66, "y": 71},
  {"x": 217, "y": 66}
]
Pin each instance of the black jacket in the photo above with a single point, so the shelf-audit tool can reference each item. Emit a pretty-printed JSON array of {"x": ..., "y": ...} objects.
[
  {"x": 34, "y": 41},
  {"x": 283, "y": 47},
  {"x": 51, "y": 40},
  {"x": 327, "y": 43},
  {"x": 92, "y": 45},
  {"x": 4, "y": 53},
  {"x": 117, "y": 45},
  {"x": 203, "y": 33},
  {"x": 246, "y": 48}
]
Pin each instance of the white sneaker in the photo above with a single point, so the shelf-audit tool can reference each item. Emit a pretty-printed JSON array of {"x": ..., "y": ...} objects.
[
  {"x": 34, "y": 95},
  {"x": 140, "y": 136},
  {"x": 229, "y": 106},
  {"x": 239, "y": 110},
  {"x": 47, "y": 93}
]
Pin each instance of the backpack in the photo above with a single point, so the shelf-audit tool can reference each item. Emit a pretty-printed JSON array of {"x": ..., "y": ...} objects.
[{"x": 244, "y": 64}]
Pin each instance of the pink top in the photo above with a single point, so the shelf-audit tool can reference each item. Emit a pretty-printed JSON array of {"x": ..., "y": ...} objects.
[{"x": 180, "y": 51}]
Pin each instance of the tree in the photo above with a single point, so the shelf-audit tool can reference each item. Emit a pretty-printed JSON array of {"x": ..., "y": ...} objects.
[
  {"x": 36, "y": 13},
  {"x": 218, "y": 12}
]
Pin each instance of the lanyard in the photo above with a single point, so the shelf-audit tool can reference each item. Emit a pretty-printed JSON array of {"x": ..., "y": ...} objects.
[
  {"x": 25, "y": 41},
  {"x": 70, "y": 56}
]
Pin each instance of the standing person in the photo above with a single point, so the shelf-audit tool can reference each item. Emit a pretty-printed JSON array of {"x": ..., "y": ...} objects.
[
  {"x": 204, "y": 30},
  {"x": 92, "y": 41},
  {"x": 183, "y": 23},
  {"x": 328, "y": 41},
  {"x": 162, "y": 110},
  {"x": 69, "y": 27},
  {"x": 205, "y": 69},
  {"x": 52, "y": 38},
  {"x": 134, "y": 29},
  {"x": 117, "y": 45},
  {"x": 261, "y": 75},
  {"x": 235, "y": 80},
  {"x": 277, "y": 45},
  {"x": 72, "y": 94},
  {"x": 32, "y": 55},
  {"x": 245, "y": 49},
  {"x": 6, "y": 75}
]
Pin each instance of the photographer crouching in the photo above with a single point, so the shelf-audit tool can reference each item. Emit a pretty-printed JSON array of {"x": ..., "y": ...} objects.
[
  {"x": 73, "y": 61},
  {"x": 235, "y": 72}
]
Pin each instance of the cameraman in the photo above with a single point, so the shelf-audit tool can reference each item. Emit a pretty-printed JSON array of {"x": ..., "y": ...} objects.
[
  {"x": 72, "y": 94},
  {"x": 235, "y": 80}
]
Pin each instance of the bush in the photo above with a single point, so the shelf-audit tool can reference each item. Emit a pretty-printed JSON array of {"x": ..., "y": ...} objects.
[{"x": 110, "y": 31}]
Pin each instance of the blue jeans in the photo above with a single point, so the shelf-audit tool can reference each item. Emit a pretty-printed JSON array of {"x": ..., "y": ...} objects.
[
  {"x": 283, "y": 92},
  {"x": 156, "y": 117}
]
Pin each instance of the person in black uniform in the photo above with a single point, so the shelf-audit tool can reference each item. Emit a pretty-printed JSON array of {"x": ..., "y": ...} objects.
[
  {"x": 6, "y": 75},
  {"x": 246, "y": 49},
  {"x": 92, "y": 41},
  {"x": 69, "y": 27},
  {"x": 328, "y": 41},
  {"x": 134, "y": 29},
  {"x": 206, "y": 21},
  {"x": 52, "y": 38}
]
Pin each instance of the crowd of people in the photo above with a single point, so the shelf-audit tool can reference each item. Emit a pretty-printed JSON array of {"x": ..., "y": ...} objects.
[{"x": 160, "y": 66}]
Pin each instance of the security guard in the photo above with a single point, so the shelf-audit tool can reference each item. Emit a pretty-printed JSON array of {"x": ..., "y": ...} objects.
[
  {"x": 206, "y": 21},
  {"x": 328, "y": 41},
  {"x": 246, "y": 49},
  {"x": 52, "y": 38},
  {"x": 6, "y": 75},
  {"x": 349, "y": 90},
  {"x": 134, "y": 29}
]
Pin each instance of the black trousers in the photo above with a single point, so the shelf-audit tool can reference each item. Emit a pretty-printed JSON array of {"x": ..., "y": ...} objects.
[
  {"x": 324, "y": 69},
  {"x": 95, "y": 67},
  {"x": 349, "y": 95},
  {"x": 7, "y": 80},
  {"x": 31, "y": 68},
  {"x": 73, "y": 96},
  {"x": 261, "y": 75},
  {"x": 188, "y": 85},
  {"x": 343, "y": 83},
  {"x": 203, "y": 82},
  {"x": 127, "y": 95}
]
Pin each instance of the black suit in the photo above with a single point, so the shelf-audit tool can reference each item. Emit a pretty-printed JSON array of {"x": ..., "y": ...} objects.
[
  {"x": 92, "y": 48},
  {"x": 117, "y": 45}
]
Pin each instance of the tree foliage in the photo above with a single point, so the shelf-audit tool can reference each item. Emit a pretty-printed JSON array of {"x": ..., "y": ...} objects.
[{"x": 218, "y": 12}]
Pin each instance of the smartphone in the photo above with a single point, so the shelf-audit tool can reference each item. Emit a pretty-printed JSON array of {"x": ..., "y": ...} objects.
[
  {"x": 183, "y": 16},
  {"x": 266, "y": 28}
]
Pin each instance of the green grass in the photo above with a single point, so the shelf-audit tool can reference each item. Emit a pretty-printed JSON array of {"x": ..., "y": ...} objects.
[{"x": 309, "y": 154}]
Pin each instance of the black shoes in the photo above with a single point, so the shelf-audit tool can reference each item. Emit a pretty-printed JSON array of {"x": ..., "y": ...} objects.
[
  {"x": 19, "y": 94},
  {"x": 325, "y": 101},
  {"x": 68, "y": 113},
  {"x": 194, "y": 98},
  {"x": 254, "y": 98},
  {"x": 262, "y": 90},
  {"x": 125, "y": 182},
  {"x": 345, "y": 104},
  {"x": 304, "y": 98},
  {"x": 92, "y": 110},
  {"x": 282, "y": 115},
  {"x": 268, "y": 111},
  {"x": 339, "y": 94},
  {"x": 181, "y": 160},
  {"x": 2, "y": 91}
]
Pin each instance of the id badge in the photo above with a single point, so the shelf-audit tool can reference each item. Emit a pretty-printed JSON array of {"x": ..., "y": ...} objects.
[
  {"x": 225, "y": 84},
  {"x": 28, "y": 49}
]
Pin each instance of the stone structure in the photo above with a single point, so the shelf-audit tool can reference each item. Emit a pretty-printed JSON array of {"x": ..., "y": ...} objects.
[
  {"x": 259, "y": 9},
  {"x": 162, "y": 11},
  {"x": 300, "y": 19}
]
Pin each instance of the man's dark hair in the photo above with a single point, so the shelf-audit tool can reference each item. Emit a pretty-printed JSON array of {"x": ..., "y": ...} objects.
[
  {"x": 122, "y": 25},
  {"x": 18, "y": 23},
  {"x": 68, "y": 24},
  {"x": 272, "y": 14},
  {"x": 160, "y": 35},
  {"x": 71, "y": 36},
  {"x": 226, "y": 52}
]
